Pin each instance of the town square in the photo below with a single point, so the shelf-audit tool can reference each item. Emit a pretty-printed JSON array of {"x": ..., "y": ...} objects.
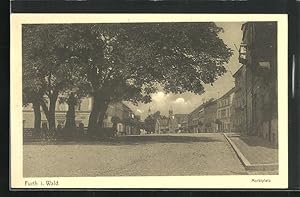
[{"x": 150, "y": 99}]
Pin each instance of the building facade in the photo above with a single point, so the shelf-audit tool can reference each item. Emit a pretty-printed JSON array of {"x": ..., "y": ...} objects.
[
  {"x": 238, "y": 112},
  {"x": 82, "y": 113},
  {"x": 170, "y": 124},
  {"x": 196, "y": 119},
  {"x": 258, "y": 52},
  {"x": 203, "y": 118},
  {"x": 210, "y": 115},
  {"x": 181, "y": 122},
  {"x": 224, "y": 107}
]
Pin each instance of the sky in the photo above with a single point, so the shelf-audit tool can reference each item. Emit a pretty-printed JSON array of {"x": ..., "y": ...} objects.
[{"x": 187, "y": 102}]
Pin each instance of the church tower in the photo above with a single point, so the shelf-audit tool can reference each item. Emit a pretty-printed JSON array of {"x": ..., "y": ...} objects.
[
  {"x": 171, "y": 121},
  {"x": 170, "y": 113}
]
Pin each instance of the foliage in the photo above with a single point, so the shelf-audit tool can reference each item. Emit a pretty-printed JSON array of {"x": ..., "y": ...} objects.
[
  {"x": 151, "y": 120},
  {"x": 44, "y": 61},
  {"x": 133, "y": 58},
  {"x": 118, "y": 62}
]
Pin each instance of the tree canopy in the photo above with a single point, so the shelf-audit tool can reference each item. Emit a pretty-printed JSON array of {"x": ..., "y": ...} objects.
[{"x": 124, "y": 62}]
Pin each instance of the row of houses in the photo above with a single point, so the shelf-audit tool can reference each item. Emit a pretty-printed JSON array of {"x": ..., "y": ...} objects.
[
  {"x": 213, "y": 115},
  {"x": 250, "y": 107},
  {"x": 82, "y": 113}
]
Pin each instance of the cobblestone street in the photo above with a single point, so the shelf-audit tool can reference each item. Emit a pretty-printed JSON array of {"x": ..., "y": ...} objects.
[{"x": 149, "y": 155}]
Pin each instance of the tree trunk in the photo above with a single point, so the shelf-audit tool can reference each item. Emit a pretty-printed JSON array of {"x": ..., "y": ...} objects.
[
  {"x": 97, "y": 114},
  {"x": 93, "y": 119},
  {"x": 50, "y": 112},
  {"x": 70, "y": 116},
  {"x": 70, "y": 126},
  {"x": 102, "y": 113},
  {"x": 37, "y": 118},
  {"x": 51, "y": 117}
]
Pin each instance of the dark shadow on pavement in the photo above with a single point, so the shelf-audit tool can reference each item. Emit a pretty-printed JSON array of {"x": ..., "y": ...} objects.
[{"x": 132, "y": 140}]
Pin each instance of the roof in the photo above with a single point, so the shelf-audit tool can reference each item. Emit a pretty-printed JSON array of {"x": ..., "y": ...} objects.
[
  {"x": 210, "y": 103},
  {"x": 180, "y": 115},
  {"x": 197, "y": 108},
  {"x": 203, "y": 105},
  {"x": 228, "y": 93},
  {"x": 238, "y": 71},
  {"x": 125, "y": 106}
]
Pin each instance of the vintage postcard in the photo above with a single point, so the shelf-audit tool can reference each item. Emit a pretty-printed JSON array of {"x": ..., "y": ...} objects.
[{"x": 149, "y": 101}]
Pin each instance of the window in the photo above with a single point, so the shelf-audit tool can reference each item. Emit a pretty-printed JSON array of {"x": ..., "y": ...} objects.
[
  {"x": 223, "y": 113},
  {"x": 120, "y": 129}
]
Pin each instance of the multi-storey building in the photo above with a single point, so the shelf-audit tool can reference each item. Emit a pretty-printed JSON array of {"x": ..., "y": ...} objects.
[
  {"x": 203, "y": 118},
  {"x": 210, "y": 115},
  {"x": 123, "y": 112},
  {"x": 224, "y": 112},
  {"x": 196, "y": 119},
  {"x": 82, "y": 113},
  {"x": 258, "y": 52},
  {"x": 238, "y": 110}
]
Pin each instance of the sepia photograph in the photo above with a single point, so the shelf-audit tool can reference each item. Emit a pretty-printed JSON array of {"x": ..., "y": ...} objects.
[{"x": 177, "y": 98}]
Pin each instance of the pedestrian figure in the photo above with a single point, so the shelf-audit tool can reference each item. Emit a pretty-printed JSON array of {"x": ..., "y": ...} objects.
[
  {"x": 44, "y": 131},
  {"x": 81, "y": 129}
]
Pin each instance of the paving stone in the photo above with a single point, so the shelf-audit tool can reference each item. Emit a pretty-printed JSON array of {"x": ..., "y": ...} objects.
[
  {"x": 256, "y": 150},
  {"x": 166, "y": 155}
]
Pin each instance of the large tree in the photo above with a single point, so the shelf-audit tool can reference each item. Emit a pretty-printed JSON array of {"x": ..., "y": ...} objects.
[
  {"x": 150, "y": 121},
  {"x": 46, "y": 67},
  {"x": 33, "y": 95},
  {"x": 128, "y": 61}
]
